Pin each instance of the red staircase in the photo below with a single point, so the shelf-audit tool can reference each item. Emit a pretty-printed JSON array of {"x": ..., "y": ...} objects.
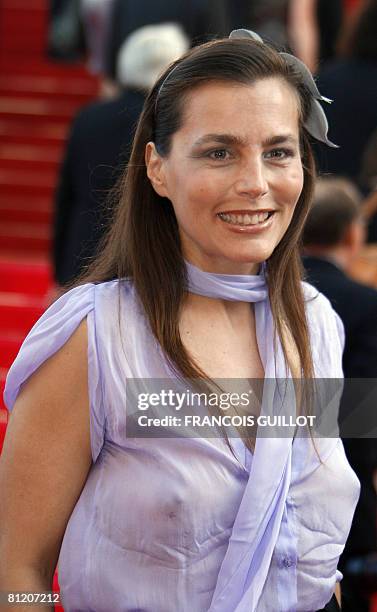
[{"x": 38, "y": 99}]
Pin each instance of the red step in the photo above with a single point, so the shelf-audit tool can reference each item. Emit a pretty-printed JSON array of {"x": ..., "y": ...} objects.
[
  {"x": 66, "y": 73},
  {"x": 29, "y": 153},
  {"x": 40, "y": 110},
  {"x": 78, "y": 91},
  {"x": 29, "y": 157},
  {"x": 18, "y": 313},
  {"x": 32, "y": 41},
  {"x": 9, "y": 346},
  {"x": 23, "y": 27},
  {"x": 30, "y": 209},
  {"x": 13, "y": 130},
  {"x": 28, "y": 278},
  {"x": 14, "y": 182},
  {"x": 25, "y": 236},
  {"x": 25, "y": 5}
]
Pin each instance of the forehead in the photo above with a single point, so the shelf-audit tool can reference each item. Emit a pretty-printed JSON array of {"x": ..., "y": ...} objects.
[{"x": 256, "y": 111}]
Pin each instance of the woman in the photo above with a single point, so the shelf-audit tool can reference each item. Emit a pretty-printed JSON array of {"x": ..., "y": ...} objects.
[{"x": 219, "y": 182}]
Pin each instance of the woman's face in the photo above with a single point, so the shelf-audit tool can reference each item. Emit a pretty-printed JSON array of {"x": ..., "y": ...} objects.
[{"x": 233, "y": 174}]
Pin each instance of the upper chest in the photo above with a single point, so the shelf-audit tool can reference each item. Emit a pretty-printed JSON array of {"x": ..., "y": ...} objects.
[{"x": 225, "y": 347}]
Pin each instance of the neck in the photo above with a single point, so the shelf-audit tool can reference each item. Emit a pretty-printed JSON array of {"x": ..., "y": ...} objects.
[
  {"x": 206, "y": 306},
  {"x": 222, "y": 266},
  {"x": 227, "y": 293}
]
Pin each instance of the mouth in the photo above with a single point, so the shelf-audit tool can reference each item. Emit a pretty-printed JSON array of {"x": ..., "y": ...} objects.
[{"x": 246, "y": 219}]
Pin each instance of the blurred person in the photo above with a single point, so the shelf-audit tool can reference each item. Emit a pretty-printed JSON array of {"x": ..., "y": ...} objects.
[
  {"x": 368, "y": 180},
  {"x": 333, "y": 235},
  {"x": 351, "y": 79},
  {"x": 285, "y": 23},
  {"x": 95, "y": 16},
  {"x": 200, "y": 19},
  {"x": 66, "y": 39},
  {"x": 99, "y": 145},
  {"x": 307, "y": 27},
  {"x": 303, "y": 31},
  {"x": 267, "y": 17},
  {"x": 96, "y": 19},
  {"x": 330, "y": 18},
  {"x": 352, "y": 6}
]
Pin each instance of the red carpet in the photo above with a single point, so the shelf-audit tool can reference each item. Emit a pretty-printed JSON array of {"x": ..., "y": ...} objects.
[{"x": 38, "y": 98}]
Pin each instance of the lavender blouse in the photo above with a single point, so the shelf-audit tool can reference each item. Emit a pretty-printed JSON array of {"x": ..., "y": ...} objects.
[{"x": 168, "y": 525}]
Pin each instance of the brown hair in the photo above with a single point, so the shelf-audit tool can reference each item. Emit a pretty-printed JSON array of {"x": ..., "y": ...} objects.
[
  {"x": 143, "y": 242},
  {"x": 336, "y": 204}
]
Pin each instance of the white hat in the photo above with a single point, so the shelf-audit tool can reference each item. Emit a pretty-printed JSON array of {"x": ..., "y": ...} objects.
[{"x": 147, "y": 52}]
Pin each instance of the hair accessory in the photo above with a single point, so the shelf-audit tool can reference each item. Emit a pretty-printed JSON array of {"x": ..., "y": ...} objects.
[{"x": 316, "y": 123}]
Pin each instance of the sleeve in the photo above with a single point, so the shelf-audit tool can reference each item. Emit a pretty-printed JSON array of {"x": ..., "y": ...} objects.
[
  {"x": 327, "y": 334},
  {"x": 340, "y": 329},
  {"x": 47, "y": 336}
]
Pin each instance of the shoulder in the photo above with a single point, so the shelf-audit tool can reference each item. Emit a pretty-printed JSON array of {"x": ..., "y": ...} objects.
[
  {"x": 326, "y": 331},
  {"x": 367, "y": 295},
  {"x": 56, "y": 326},
  {"x": 316, "y": 303},
  {"x": 103, "y": 299},
  {"x": 318, "y": 306},
  {"x": 98, "y": 116}
]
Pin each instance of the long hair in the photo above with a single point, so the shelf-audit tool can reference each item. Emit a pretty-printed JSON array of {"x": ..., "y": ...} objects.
[{"x": 143, "y": 242}]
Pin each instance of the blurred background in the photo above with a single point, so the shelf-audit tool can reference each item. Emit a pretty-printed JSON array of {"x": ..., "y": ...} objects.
[{"x": 73, "y": 77}]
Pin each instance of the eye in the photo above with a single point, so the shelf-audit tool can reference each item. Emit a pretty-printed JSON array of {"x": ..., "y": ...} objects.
[
  {"x": 219, "y": 154},
  {"x": 278, "y": 154}
]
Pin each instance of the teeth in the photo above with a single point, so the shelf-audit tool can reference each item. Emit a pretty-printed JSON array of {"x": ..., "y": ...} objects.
[{"x": 244, "y": 219}]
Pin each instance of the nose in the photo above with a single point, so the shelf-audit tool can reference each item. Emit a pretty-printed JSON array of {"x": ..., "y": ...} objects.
[{"x": 251, "y": 179}]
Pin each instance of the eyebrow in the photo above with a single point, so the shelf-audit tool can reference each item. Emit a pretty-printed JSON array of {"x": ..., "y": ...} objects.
[{"x": 231, "y": 139}]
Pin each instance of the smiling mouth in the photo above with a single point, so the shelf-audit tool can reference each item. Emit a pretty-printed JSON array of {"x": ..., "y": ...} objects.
[{"x": 246, "y": 219}]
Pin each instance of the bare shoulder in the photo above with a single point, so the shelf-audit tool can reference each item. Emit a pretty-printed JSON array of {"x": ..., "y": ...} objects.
[{"x": 57, "y": 384}]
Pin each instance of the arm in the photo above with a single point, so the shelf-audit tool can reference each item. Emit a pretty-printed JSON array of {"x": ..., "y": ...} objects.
[
  {"x": 338, "y": 594},
  {"x": 303, "y": 31},
  {"x": 44, "y": 465}
]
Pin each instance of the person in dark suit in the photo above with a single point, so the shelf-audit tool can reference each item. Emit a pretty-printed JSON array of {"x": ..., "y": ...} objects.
[
  {"x": 99, "y": 147},
  {"x": 332, "y": 236},
  {"x": 351, "y": 80},
  {"x": 200, "y": 19}
]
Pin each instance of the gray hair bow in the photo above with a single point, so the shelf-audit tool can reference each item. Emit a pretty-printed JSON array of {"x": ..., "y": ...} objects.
[{"x": 316, "y": 123}]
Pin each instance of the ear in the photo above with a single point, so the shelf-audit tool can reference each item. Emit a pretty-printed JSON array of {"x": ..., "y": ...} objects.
[{"x": 155, "y": 169}]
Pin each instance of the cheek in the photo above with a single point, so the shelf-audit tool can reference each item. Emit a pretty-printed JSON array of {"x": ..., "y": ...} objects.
[
  {"x": 292, "y": 187},
  {"x": 197, "y": 194}
]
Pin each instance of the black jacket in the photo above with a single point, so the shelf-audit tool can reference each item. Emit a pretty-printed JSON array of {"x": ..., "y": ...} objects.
[
  {"x": 97, "y": 151},
  {"x": 356, "y": 305},
  {"x": 352, "y": 84}
]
